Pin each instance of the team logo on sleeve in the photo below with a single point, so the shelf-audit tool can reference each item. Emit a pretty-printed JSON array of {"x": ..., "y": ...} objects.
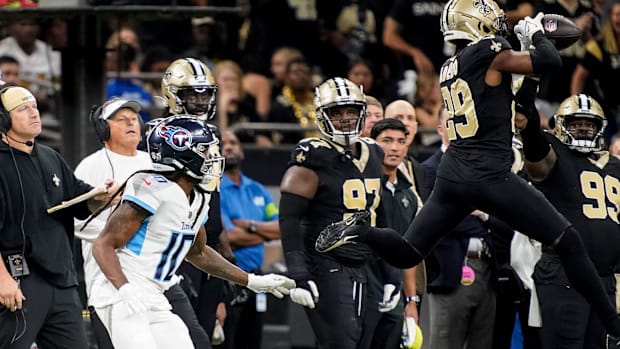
[
  {"x": 177, "y": 137},
  {"x": 495, "y": 46}
]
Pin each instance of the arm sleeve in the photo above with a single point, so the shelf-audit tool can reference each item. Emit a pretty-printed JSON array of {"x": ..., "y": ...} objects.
[
  {"x": 535, "y": 146},
  {"x": 214, "y": 226},
  {"x": 292, "y": 208},
  {"x": 545, "y": 58}
]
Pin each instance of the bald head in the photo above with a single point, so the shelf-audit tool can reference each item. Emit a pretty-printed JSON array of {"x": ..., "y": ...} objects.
[{"x": 405, "y": 112}]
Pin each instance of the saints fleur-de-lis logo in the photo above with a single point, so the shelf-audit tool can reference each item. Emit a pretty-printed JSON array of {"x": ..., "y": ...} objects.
[
  {"x": 496, "y": 46},
  {"x": 405, "y": 202},
  {"x": 300, "y": 158},
  {"x": 482, "y": 6}
]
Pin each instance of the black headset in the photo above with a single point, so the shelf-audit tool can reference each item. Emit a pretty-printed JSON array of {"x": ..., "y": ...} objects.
[
  {"x": 101, "y": 127},
  {"x": 5, "y": 118}
]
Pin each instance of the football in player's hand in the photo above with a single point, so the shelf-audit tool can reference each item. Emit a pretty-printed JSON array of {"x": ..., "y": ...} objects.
[{"x": 560, "y": 30}]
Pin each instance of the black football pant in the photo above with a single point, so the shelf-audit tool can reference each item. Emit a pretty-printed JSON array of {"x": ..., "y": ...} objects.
[
  {"x": 382, "y": 330},
  {"x": 51, "y": 316},
  {"x": 337, "y": 318},
  {"x": 210, "y": 295},
  {"x": 243, "y": 328},
  {"x": 568, "y": 319}
]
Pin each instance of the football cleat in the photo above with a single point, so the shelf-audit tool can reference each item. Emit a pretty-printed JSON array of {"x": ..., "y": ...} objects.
[
  {"x": 612, "y": 342},
  {"x": 342, "y": 232}
]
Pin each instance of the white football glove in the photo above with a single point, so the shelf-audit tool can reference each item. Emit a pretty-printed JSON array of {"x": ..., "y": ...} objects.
[
  {"x": 391, "y": 296},
  {"x": 526, "y": 28},
  {"x": 306, "y": 294},
  {"x": 275, "y": 284},
  {"x": 132, "y": 299}
]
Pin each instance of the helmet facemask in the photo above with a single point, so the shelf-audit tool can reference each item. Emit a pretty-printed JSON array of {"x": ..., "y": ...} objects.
[
  {"x": 340, "y": 110},
  {"x": 342, "y": 123},
  {"x": 199, "y": 101},
  {"x": 187, "y": 77},
  {"x": 575, "y": 108},
  {"x": 593, "y": 141}
]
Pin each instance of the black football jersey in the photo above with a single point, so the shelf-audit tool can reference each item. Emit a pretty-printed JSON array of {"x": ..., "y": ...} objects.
[
  {"x": 480, "y": 127},
  {"x": 345, "y": 186},
  {"x": 587, "y": 192}
]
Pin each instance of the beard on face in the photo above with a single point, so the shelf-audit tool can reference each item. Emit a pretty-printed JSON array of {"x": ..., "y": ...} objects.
[{"x": 233, "y": 162}]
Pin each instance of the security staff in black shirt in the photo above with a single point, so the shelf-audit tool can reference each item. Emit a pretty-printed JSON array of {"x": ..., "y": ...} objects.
[{"x": 38, "y": 284}]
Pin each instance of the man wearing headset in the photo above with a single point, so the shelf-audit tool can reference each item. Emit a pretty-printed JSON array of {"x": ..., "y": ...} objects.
[
  {"x": 117, "y": 126},
  {"x": 38, "y": 283}
]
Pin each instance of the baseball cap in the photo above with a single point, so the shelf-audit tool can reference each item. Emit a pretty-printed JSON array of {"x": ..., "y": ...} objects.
[
  {"x": 111, "y": 106},
  {"x": 14, "y": 96}
]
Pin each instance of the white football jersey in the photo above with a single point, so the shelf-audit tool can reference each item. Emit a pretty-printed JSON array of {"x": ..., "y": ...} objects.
[{"x": 152, "y": 256}]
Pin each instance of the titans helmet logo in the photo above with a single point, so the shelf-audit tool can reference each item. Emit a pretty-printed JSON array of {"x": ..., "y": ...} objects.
[{"x": 178, "y": 138}]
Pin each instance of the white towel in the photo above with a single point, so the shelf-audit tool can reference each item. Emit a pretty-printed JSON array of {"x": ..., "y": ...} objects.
[{"x": 524, "y": 254}]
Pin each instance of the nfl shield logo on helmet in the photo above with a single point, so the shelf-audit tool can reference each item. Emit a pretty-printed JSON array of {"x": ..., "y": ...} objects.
[{"x": 550, "y": 25}]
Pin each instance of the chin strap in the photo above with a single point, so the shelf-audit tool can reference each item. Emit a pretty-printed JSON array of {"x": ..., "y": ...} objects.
[{"x": 348, "y": 153}]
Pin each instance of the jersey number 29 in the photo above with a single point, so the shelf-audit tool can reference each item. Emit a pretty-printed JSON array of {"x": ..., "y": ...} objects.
[{"x": 459, "y": 102}]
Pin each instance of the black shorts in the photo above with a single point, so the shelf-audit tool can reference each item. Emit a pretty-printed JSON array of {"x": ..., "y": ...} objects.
[{"x": 512, "y": 200}]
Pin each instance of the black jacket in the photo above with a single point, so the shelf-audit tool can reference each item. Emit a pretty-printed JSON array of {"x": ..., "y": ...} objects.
[{"x": 29, "y": 185}]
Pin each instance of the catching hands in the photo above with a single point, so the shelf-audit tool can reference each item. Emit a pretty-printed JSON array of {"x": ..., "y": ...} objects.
[
  {"x": 306, "y": 294},
  {"x": 132, "y": 299},
  {"x": 526, "y": 28},
  {"x": 275, "y": 284},
  {"x": 391, "y": 296}
]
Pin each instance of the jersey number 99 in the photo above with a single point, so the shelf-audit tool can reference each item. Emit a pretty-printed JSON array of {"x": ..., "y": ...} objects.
[{"x": 600, "y": 189}]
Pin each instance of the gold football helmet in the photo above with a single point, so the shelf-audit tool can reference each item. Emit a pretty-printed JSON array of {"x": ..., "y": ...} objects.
[
  {"x": 188, "y": 87},
  {"x": 335, "y": 93},
  {"x": 579, "y": 106},
  {"x": 471, "y": 20}
]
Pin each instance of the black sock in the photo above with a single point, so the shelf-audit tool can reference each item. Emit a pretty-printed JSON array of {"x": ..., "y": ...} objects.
[
  {"x": 584, "y": 277},
  {"x": 392, "y": 247}
]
